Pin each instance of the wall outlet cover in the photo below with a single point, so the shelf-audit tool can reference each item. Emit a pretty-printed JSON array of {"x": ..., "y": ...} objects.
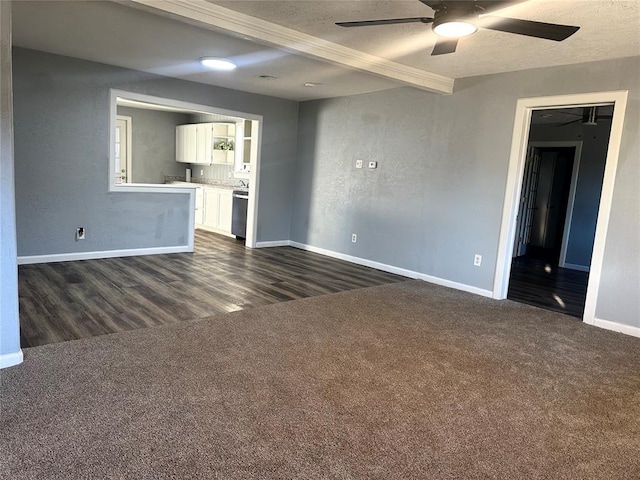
[
  {"x": 359, "y": 163},
  {"x": 354, "y": 237},
  {"x": 373, "y": 164}
]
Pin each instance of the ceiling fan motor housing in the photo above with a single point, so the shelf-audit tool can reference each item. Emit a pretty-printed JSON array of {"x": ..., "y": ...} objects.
[{"x": 447, "y": 12}]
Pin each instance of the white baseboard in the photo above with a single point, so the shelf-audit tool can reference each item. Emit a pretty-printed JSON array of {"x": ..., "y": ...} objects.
[
  {"x": 573, "y": 266},
  {"x": 615, "y": 326},
  {"x": 397, "y": 270},
  {"x": 132, "y": 252},
  {"x": 11, "y": 359},
  {"x": 274, "y": 243}
]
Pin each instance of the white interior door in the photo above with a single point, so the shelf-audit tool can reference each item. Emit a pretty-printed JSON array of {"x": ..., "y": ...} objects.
[{"x": 123, "y": 168}]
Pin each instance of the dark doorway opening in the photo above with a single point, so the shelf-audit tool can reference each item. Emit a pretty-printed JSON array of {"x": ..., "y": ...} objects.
[{"x": 558, "y": 208}]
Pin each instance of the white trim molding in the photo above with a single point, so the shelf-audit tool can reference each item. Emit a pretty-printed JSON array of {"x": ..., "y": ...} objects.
[
  {"x": 274, "y": 243},
  {"x": 11, "y": 359},
  {"x": 519, "y": 142},
  {"x": 241, "y": 25},
  {"x": 615, "y": 326},
  {"x": 391, "y": 269},
  {"x": 130, "y": 252}
]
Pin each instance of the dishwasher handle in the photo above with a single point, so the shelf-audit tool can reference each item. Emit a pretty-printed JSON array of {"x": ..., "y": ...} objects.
[{"x": 245, "y": 197}]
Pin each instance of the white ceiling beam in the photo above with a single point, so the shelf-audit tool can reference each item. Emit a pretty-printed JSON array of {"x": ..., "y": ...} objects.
[{"x": 245, "y": 26}]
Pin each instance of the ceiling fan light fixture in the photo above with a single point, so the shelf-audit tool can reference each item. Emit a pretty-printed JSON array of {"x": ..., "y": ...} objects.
[
  {"x": 455, "y": 29},
  {"x": 215, "y": 63}
]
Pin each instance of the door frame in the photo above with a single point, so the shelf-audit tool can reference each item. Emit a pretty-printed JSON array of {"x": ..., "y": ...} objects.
[
  {"x": 577, "y": 146},
  {"x": 519, "y": 143}
]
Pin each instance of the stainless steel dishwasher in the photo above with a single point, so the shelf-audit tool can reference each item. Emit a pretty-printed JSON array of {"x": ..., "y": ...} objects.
[{"x": 239, "y": 213}]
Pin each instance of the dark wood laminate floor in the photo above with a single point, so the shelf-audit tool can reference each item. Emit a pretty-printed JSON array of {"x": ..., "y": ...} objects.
[
  {"x": 538, "y": 283},
  {"x": 70, "y": 300}
]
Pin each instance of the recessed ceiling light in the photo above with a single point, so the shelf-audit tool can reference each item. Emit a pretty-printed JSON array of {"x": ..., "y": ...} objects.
[
  {"x": 311, "y": 84},
  {"x": 216, "y": 63}
]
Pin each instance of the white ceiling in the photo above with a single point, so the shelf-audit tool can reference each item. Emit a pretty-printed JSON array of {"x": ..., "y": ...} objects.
[{"x": 298, "y": 42}]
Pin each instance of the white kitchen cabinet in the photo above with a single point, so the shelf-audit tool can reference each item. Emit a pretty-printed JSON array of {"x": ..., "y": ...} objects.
[
  {"x": 218, "y": 207},
  {"x": 199, "y": 206},
  {"x": 206, "y": 143},
  {"x": 186, "y": 142},
  {"x": 225, "y": 210}
]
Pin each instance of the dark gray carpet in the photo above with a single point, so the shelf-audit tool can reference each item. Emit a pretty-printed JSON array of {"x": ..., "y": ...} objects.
[{"x": 407, "y": 380}]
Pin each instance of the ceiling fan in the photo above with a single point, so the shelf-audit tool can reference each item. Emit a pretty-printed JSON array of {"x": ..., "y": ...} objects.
[
  {"x": 458, "y": 18},
  {"x": 589, "y": 116}
]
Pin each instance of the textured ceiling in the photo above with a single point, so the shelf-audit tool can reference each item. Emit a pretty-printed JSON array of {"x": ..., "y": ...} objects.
[
  {"x": 153, "y": 38},
  {"x": 114, "y": 34},
  {"x": 608, "y": 29}
]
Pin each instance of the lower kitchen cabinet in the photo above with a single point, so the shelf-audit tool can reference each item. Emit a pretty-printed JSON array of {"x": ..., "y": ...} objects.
[
  {"x": 199, "y": 205},
  {"x": 217, "y": 210}
]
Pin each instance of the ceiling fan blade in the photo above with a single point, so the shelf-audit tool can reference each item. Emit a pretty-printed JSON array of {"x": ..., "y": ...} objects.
[
  {"x": 389, "y": 21},
  {"x": 445, "y": 45},
  {"x": 550, "y": 31},
  {"x": 485, "y": 5}
]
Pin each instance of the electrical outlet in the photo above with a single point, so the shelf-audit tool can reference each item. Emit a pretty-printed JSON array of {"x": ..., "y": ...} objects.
[
  {"x": 201, "y": 172},
  {"x": 80, "y": 233},
  {"x": 359, "y": 163},
  {"x": 354, "y": 237},
  {"x": 477, "y": 260},
  {"x": 373, "y": 164}
]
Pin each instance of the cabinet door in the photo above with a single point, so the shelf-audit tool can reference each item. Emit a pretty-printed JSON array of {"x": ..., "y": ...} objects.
[
  {"x": 225, "y": 205},
  {"x": 211, "y": 205},
  {"x": 204, "y": 145},
  {"x": 199, "y": 206},
  {"x": 181, "y": 143}
]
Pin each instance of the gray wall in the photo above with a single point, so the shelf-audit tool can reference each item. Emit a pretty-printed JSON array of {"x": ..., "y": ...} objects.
[
  {"x": 436, "y": 198},
  {"x": 9, "y": 323},
  {"x": 153, "y": 149},
  {"x": 62, "y": 145},
  {"x": 595, "y": 140}
]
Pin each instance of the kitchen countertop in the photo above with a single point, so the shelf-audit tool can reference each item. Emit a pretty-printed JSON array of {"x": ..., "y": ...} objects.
[{"x": 210, "y": 185}]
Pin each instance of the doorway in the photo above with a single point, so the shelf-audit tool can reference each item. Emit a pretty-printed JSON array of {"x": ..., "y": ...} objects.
[
  {"x": 242, "y": 158},
  {"x": 515, "y": 182},
  {"x": 545, "y": 221}
]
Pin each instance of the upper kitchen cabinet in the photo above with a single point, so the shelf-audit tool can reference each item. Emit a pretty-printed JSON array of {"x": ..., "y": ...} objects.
[{"x": 206, "y": 143}]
